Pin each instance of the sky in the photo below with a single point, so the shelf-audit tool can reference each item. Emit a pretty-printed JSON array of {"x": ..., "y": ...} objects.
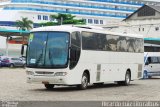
[{"x": 153, "y": 0}]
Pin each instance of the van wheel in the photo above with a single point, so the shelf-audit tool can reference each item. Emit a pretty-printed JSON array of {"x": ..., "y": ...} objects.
[
  {"x": 127, "y": 79},
  {"x": 84, "y": 82},
  {"x": 145, "y": 75},
  {"x": 12, "y": 65},
  {"x": 49, "y": 86},
  {"x": 149, "y": 77}
]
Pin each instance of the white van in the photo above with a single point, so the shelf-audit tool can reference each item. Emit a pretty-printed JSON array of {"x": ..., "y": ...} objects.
[{"x": 151, "y": 64}]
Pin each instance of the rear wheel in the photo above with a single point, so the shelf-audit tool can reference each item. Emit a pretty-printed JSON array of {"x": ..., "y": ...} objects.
[
  {"x": 84, "y": 82},
  {"x": 98, "y": 84},
  {"x": 49, "y": 86},
  {"x": 127, "y": 79}
]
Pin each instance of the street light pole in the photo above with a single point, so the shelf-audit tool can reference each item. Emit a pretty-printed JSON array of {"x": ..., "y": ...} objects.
[{"x": 7, "y": 45}]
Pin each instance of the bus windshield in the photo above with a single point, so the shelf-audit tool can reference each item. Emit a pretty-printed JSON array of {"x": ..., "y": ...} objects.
[{"x": 48, "y": 50}]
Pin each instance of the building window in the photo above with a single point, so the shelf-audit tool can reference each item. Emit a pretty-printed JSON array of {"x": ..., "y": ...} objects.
[
  {"x": 101, "y": 21},
  {"x": 96, "y": 21},
  {"x": 85, "y": 20},
  {"x": 143, "y": 29},
  {"x": 90, "y": 21},
  {"x": 139, "y": 29},
  {"x": 39, "y": 17},
  {"x": 45, "y": 17},
  {"x": 156, "y": 28}
]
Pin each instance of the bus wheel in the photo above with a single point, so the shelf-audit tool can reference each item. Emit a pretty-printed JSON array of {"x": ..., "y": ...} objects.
[
  {"x": 84, "y": 82},
  {"x": 127, "y": 79},
  {"x": 49, "y": 86}
]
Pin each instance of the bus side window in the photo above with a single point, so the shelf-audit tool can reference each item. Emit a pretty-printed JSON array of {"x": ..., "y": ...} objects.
[{"x": 75, "y": 49}]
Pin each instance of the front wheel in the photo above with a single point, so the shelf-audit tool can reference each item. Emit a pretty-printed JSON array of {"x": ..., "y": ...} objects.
[
  {"x": 84, "y": 82},
  {"x": 127, "y": 79},
  {"x": 49, "y": 86}
]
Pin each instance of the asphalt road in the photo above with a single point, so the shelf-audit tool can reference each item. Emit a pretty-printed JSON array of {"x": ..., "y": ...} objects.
[{"x": 13, "y": 87}]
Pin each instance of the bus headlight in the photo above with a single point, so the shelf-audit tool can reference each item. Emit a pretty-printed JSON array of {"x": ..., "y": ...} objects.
[
  {"x": 60, "y": 74},
  {"x": 30, "y": 73}
]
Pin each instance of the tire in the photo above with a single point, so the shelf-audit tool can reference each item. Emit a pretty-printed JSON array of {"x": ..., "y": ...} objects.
[
  {"x": 12, "y": 65},
  {"x": 149, "y": 77},
  {"x": 49, "y": 86},
  {"x": 84, "y": 82},
  {"x": 127, "y": 79},
  {"x": 145, "y": 75},
  {"x": 98, "y": 84}
]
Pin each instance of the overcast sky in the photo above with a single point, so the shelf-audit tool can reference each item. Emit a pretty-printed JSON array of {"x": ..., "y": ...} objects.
[{"x": 153, "y": 0}]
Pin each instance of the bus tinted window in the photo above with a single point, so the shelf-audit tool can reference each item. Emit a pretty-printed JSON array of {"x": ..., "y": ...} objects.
[
  {"x": 101, "y": 41},
  {"x": 75, "y": 49},
  {"x": 75, "y": 38},
  {"x": 108, "y": 42},
  {"x": 89, "y": 41}
]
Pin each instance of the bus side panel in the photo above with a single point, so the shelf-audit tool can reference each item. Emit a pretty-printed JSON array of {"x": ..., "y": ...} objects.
[
  {"x": 116, "y": 72},
  {"x": 75, "y": 75}
]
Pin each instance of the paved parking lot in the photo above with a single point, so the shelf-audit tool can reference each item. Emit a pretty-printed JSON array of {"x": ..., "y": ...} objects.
[{"x": 13, "y": 87}]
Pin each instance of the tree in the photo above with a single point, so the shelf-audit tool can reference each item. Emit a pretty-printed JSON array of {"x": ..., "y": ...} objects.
[
  {"x": 24, "y": 24},
  {"x": 63, "y": 19}
]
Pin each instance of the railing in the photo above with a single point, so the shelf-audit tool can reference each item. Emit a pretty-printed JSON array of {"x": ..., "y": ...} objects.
[
  {"x": 74, "y": 5},
  {"x": 119, "y": 2},
  {"x": 13, "y": 24},
  {"x": 63, "y": 11}
]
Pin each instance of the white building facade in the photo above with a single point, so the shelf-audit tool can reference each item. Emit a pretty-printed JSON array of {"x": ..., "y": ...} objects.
[
  {"x": 94, "y": 12},
  {"x": 145, "y": 21}
]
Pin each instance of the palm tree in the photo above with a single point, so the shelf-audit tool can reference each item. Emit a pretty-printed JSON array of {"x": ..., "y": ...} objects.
[
  {"x": 24, "y": 24},
  {"x": 62, "y": 17}
]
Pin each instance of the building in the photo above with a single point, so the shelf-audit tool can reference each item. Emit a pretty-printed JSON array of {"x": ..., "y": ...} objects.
[
  {"x": 94, "y": 12},
  {"x": 144, "y": 21}
]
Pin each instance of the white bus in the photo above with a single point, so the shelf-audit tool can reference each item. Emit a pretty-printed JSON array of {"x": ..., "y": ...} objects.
[{"x": 70, "y": 55}]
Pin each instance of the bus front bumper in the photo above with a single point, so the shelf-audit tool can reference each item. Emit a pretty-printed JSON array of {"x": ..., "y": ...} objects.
[{"x": 59, "y": 80}]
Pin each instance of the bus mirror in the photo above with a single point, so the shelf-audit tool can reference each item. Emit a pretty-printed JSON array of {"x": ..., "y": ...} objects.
[{"x": 22, "y": 50}]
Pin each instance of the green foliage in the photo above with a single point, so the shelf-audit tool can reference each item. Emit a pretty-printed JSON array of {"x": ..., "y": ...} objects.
[
  {"x": 63, "y": 19},
  {"x": 48, "y": 24},
  {"x": 24, "y": 24}
]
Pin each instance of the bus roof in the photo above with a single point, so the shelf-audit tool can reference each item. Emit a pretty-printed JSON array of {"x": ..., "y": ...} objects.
[{"x": 71, "y": 28}]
